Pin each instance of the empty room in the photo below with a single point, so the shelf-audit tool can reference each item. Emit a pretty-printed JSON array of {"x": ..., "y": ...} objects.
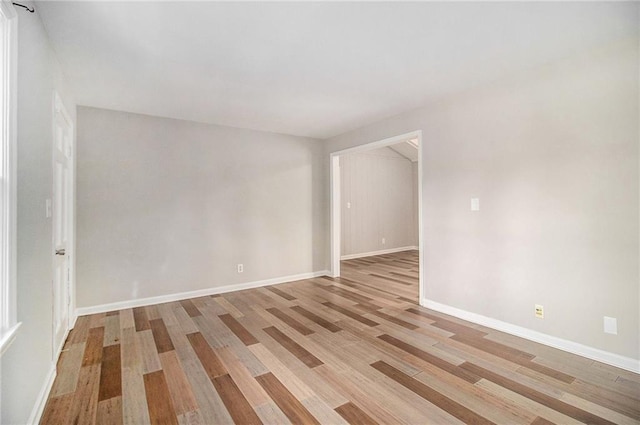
[{"x": 319, "y": 212}]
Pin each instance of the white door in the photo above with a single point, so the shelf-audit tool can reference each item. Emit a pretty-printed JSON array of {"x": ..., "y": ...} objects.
[{"x": 62, "y": 222}]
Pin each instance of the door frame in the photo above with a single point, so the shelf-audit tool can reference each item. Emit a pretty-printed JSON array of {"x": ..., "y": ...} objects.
[
  {"x": 59, "y": 108},
  {"x": 335, "y": 206}
]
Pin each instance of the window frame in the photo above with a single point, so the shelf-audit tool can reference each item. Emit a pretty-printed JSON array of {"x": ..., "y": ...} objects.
[{"x": 8, "y": 201}]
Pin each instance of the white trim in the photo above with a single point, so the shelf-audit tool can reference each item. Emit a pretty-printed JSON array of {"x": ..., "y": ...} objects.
[
  {"x": 336, "y": 224},
  {"x": 334, "y": 185},
  {"x": 8, "y": 146},
  {"x": 74, "y": 318},
  {"x": 7, "y": 9},
  {"x": 103, "y": 308},
  {"x": 421, "y": 258},
  {"x": 8, "y": 337},
  {"x": 381, "y": 252},
  {"x": 609, "y": 358},
  {"x": 43, "y": 395},
  {"x": 380, "y": 143}
]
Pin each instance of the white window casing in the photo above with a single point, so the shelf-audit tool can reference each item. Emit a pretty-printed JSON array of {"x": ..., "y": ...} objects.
[{"x": 8, "y": 126}]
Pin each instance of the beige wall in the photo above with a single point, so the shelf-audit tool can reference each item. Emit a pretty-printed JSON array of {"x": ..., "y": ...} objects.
[
  {"x": 553, "y": 156},
  {"x": 378, "y": 185},
  {"x": 167, "y": 206},
  {"x": 28, "y": 361}
]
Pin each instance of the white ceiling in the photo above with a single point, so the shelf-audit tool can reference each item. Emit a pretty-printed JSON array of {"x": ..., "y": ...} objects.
[{"x": 311, "y": 69}]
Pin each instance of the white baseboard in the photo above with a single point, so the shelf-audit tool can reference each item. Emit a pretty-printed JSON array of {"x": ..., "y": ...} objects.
[
  {"x": 612, "y": 359},
  {"x": 43, "y": 395},
  {"x": 141, "y": 302},
  {"x": 8, "y": 337},
  {"x": 381, "y": 252}
]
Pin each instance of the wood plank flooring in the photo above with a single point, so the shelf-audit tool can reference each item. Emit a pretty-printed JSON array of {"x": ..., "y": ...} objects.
[{"x": 353, "y": 350}]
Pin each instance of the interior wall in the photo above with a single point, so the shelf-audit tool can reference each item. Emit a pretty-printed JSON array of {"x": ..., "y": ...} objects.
[
  {"x": 553, "y": 156},
  {"x": 28, "y": 362},
  {"x": 377, "y": 202},
  {"x": 167, "y": 206}
]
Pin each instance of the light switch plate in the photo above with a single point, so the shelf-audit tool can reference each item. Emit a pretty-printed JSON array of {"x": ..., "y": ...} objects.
[
  {"x": 610, "y": 325},
  {"x": 475, "y": 204}
]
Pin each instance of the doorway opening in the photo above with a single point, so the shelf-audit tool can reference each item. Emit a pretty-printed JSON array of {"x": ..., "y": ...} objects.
[{"x": 339, "y": 205}]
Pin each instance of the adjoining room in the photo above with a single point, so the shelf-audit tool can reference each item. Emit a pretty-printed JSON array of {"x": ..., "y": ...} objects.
[{"x": 377, "y": 188}]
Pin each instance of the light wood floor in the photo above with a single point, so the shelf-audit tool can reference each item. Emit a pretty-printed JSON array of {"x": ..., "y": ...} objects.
[{"x": 353, "y": 350}]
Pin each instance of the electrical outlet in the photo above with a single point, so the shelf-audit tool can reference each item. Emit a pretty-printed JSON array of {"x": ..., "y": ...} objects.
[
  {"x": 240, "y": 268},
  {"x": 539, "y": 311},
  {"x": 384, "y": 241}
]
